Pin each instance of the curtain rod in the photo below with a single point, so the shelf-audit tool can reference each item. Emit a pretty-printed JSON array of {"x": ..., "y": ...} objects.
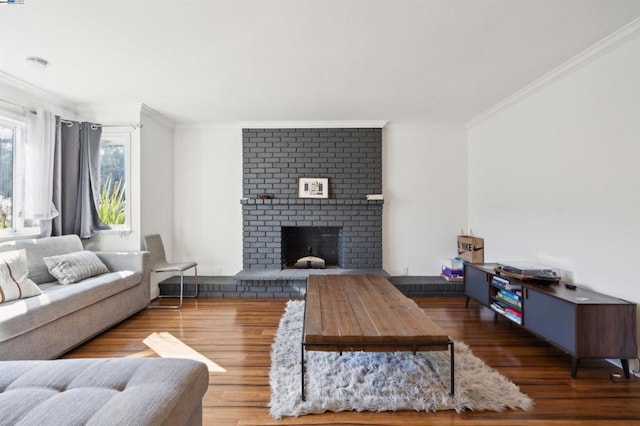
[
  {"x": 94, "y": 126},
  {"x": 17, "y": 105},
  {"x": 69, "y": 123}
]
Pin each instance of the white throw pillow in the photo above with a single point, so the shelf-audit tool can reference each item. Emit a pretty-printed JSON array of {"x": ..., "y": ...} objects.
[
  {"x": 73, "y": 267},
  {"x": 14, "y": 283}
]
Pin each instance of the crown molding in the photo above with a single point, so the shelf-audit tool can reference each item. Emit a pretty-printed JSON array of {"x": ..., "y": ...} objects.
[
  {"x": 365, "y": 124},
  {"x": 39, "y": 94},
  {"x": 124, "y": 111},
  {"x": 151, "y": 113},
  {"x": 206, "y": 126},
  {"x": 581, "y": 60},
  {"x": 430, "y": 126}
]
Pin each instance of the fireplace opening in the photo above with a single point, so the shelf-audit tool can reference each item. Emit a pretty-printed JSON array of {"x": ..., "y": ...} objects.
[{"x": 311, "y": 247}]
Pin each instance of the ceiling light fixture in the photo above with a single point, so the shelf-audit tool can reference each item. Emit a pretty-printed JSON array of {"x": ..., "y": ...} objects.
[{"x": 37, "y": 61}]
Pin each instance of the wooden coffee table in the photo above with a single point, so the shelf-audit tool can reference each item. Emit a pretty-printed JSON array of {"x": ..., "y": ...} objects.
[{"x": 366, "y": 313}]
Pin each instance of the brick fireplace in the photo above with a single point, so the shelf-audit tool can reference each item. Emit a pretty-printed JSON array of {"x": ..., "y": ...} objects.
[{"x": 273, "y": 159}]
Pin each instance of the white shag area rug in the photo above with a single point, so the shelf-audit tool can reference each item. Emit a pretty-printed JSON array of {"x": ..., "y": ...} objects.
[{"x": 385, "y": 381}]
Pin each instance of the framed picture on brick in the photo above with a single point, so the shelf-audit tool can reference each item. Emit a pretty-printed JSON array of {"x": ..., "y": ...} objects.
[{"x": 313, "y": 187}]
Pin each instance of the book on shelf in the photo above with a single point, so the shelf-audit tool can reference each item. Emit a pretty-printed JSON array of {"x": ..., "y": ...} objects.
[
  {"x": 513, "y": 312},
  {"x": 513, "y": 295},
  {"x": 513, "y": 317},
  {"x": 500, "y": 282},
  {"x": 503, "y": 283},
  {"x": 496, "y": 306},
  {"x": 509, "y": 312},
  {"x": 507, "y": 299}
]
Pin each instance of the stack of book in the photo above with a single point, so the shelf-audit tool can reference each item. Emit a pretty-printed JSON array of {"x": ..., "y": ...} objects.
[
  {"x": 498, "y": 307},
  {"x": 500, "y": 282},
  {"x": 510, "y": 297},
  {"x": 508, "y": 300},
  {"x": 452, "y": 270},
  {"x": 513, "y": 315}
]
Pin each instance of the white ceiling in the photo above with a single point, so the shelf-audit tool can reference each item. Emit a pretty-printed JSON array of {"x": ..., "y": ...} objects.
[{"x": 196, "y": 61}]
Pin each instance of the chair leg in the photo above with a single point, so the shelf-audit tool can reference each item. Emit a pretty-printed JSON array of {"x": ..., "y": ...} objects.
[
  {"x": 195, "y": 277},
  {"x": 181, "y": 287},
  {"x": 182, "y": 296},
  {"x": 167, "y": 306}
]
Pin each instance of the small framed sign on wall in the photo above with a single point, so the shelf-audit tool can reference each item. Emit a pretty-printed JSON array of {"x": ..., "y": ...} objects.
[{"x": 313, "y": 187}]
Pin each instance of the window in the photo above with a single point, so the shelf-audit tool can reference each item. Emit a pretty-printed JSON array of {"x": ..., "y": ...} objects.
[
  {"x": 7, "y": 150},
  {"x": 114, "y": 165},
  {"x": 12, "y": 177}
]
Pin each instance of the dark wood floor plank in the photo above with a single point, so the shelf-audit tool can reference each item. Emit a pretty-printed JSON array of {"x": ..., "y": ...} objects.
[{"x": 237, "y": 335}]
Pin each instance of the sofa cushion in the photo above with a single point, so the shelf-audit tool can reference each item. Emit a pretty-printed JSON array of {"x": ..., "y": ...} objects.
[
  {"x": 38, "y": 248},
  {"x": 21, "y": 316},
  {"x": 14, "y": 283},
  {"x": 73, "y": 267},
  {"x": 147, "y": 391}
]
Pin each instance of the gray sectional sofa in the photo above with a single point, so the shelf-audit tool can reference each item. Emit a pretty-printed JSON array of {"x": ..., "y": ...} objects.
[
  {"x": 103, "y": 392},
  {"x": 64, "y": 316},
  {"x": 37, "y": 390}
]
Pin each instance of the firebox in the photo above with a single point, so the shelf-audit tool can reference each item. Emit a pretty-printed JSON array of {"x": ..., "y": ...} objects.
[{"x": 325, "y": 242}]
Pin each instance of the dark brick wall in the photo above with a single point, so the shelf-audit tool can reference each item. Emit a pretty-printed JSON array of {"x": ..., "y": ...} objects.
[{"x": 273, "y": 159}]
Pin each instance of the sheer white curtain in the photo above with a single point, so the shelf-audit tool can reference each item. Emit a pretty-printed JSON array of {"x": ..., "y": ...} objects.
[
  {"x": 39, "y": 162},
  {"x": 62, "y": 168}
]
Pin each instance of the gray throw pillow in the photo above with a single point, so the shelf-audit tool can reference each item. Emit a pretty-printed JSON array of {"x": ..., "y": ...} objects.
[{"x": 73, "y": 267}]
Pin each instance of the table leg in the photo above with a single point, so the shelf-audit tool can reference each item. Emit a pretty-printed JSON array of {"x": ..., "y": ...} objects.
[
  {"x": 302, "y": 369},
  {"x": 625, "y": 368},
  {"x": 575, "y": 362},
  {"x": 453, "y": 364}
]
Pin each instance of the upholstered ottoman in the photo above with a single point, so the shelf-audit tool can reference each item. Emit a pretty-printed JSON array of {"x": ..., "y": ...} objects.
[{"x": 138, "y": 391}]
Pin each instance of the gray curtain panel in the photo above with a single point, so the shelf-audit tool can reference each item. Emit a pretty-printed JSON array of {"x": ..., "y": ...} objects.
[
  {"x": 88, "y": 222},
  {"x": 76, "y": 184}
]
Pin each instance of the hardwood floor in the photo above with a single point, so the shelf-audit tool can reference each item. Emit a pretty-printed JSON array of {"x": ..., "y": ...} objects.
[{"x": 237, "y": 335}]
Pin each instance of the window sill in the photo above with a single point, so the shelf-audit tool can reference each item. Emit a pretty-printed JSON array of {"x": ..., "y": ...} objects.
[
  {"x": 120, "y": 232},
  {"x": 23, "y": 234}
]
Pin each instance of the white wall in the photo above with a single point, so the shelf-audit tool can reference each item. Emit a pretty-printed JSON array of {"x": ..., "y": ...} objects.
[
  {"x": 554, "y": 178},
  {"x": 156, "y": 196},
  {"x": 424, "y": 180},
  {"x": 156, "y": 177},
  {"x": 208, "y": 189},
  {"x": 424, "y": 185}
]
